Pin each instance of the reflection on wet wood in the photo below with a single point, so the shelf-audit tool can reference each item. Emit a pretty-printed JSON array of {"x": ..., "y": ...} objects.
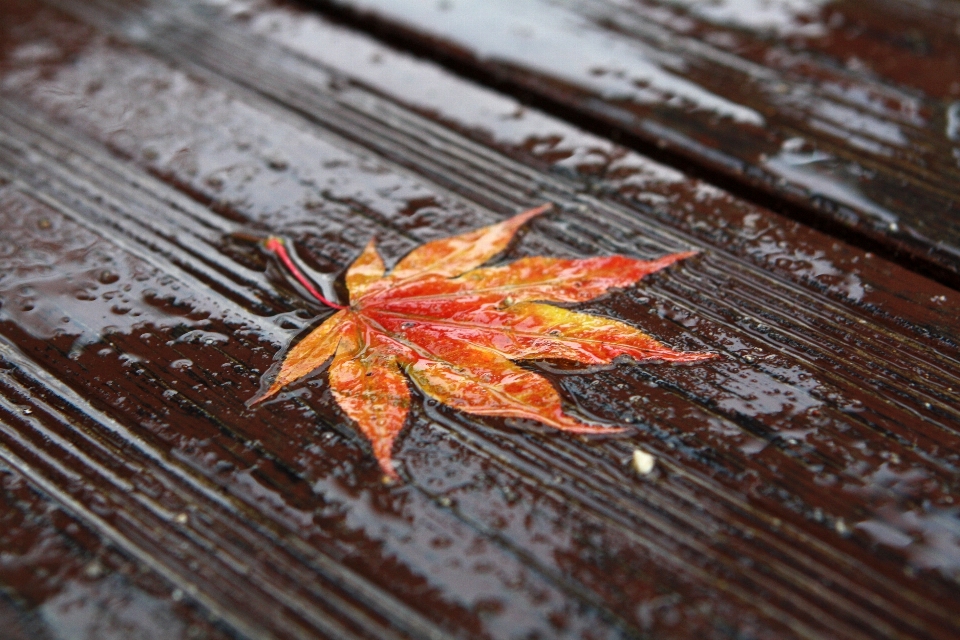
[
  {"x": 803, "y": 484},
  {"x": 849, "y": 109},
  {"x": 61, "y": 578}
]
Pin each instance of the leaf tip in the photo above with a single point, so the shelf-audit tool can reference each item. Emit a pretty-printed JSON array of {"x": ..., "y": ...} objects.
[
  {"x": 259, "y": 398},
  {"x": 698, "y": 356},
  {"x": 672, "y": 258},
  {"x": 646, "y": 267},
  {"x": 383, "y": 452},
  {"x": 390, "y": 476},
  {"x": 572, "y": 425},
  {"x": 681, "y": 357},
  {"x": 523, "y": 217},
  {"x": 264, "y": 394}
]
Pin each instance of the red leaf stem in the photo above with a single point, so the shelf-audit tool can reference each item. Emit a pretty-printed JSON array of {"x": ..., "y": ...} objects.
[{"x": 277, "y": 246}]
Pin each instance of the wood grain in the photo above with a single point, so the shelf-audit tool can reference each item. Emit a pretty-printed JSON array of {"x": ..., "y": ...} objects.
[
  {"x": 849, "y": 110},
  {"x": 61, "y": 579},
  {"x": 804, "y": 482}
]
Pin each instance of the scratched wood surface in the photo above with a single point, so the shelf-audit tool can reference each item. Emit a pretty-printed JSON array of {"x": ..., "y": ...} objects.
[
  {"x": 805, "y": 480},
  {"x": 847, "y": 109}
]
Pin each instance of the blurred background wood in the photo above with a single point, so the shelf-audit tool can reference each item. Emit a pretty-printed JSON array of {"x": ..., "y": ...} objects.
[{"x": 844, "y": 114}]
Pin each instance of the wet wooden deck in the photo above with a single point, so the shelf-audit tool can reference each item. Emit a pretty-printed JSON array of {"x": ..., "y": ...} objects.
[{"x": 805, "y": 480}]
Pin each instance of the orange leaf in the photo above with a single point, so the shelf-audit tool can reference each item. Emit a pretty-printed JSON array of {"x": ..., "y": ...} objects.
[
  {"x": 366, "y": 270},
  {"x": 530, "y": 330},
  {"x": 454, "y": 328},
  {"x": 369, "y": 387},
  {"x": 482, "y": 382},
  {"x": 452, "y": 256},
  {"x": 311, "y": 352}
]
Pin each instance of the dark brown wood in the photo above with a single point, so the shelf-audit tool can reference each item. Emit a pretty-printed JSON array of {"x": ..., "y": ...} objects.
[
  {"x": 61, "y": 579},
  {"x": 849, "y": 110},
  {"x": 806, "y": 480}
]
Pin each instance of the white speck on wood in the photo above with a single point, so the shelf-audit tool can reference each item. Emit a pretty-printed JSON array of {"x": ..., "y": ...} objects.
[{"x": 643, "y": 462}]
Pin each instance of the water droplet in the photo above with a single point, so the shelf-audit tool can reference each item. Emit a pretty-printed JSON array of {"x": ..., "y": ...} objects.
[
  {"x": 205, "y": 337},
  {"x": 276, "y": 163},
  {"x": 93, "y": 570},
  {"x": 108, "y": 277}
]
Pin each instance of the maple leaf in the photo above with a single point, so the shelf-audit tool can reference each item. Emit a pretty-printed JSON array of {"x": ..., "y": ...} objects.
[{"x": 455, "y": 329}]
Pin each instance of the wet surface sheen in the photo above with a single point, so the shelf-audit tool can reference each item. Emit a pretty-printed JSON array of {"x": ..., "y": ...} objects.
[
  {"x": 847, "y": 108},
  {"x": 804, "y": 482}
]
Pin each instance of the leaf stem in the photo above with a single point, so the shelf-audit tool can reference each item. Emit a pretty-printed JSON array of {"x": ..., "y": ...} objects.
[{"x": 278, "y": 247}]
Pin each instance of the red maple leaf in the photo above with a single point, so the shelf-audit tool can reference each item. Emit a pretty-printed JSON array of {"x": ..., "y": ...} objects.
[{"x": 455, "y": 328}]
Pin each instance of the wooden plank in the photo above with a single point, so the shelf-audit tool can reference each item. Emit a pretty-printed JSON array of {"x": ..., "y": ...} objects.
[
  {"x": 805, "y": 481},
  {"x": 60, "y": 580},
  {"x": 848, "y": 110}
]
